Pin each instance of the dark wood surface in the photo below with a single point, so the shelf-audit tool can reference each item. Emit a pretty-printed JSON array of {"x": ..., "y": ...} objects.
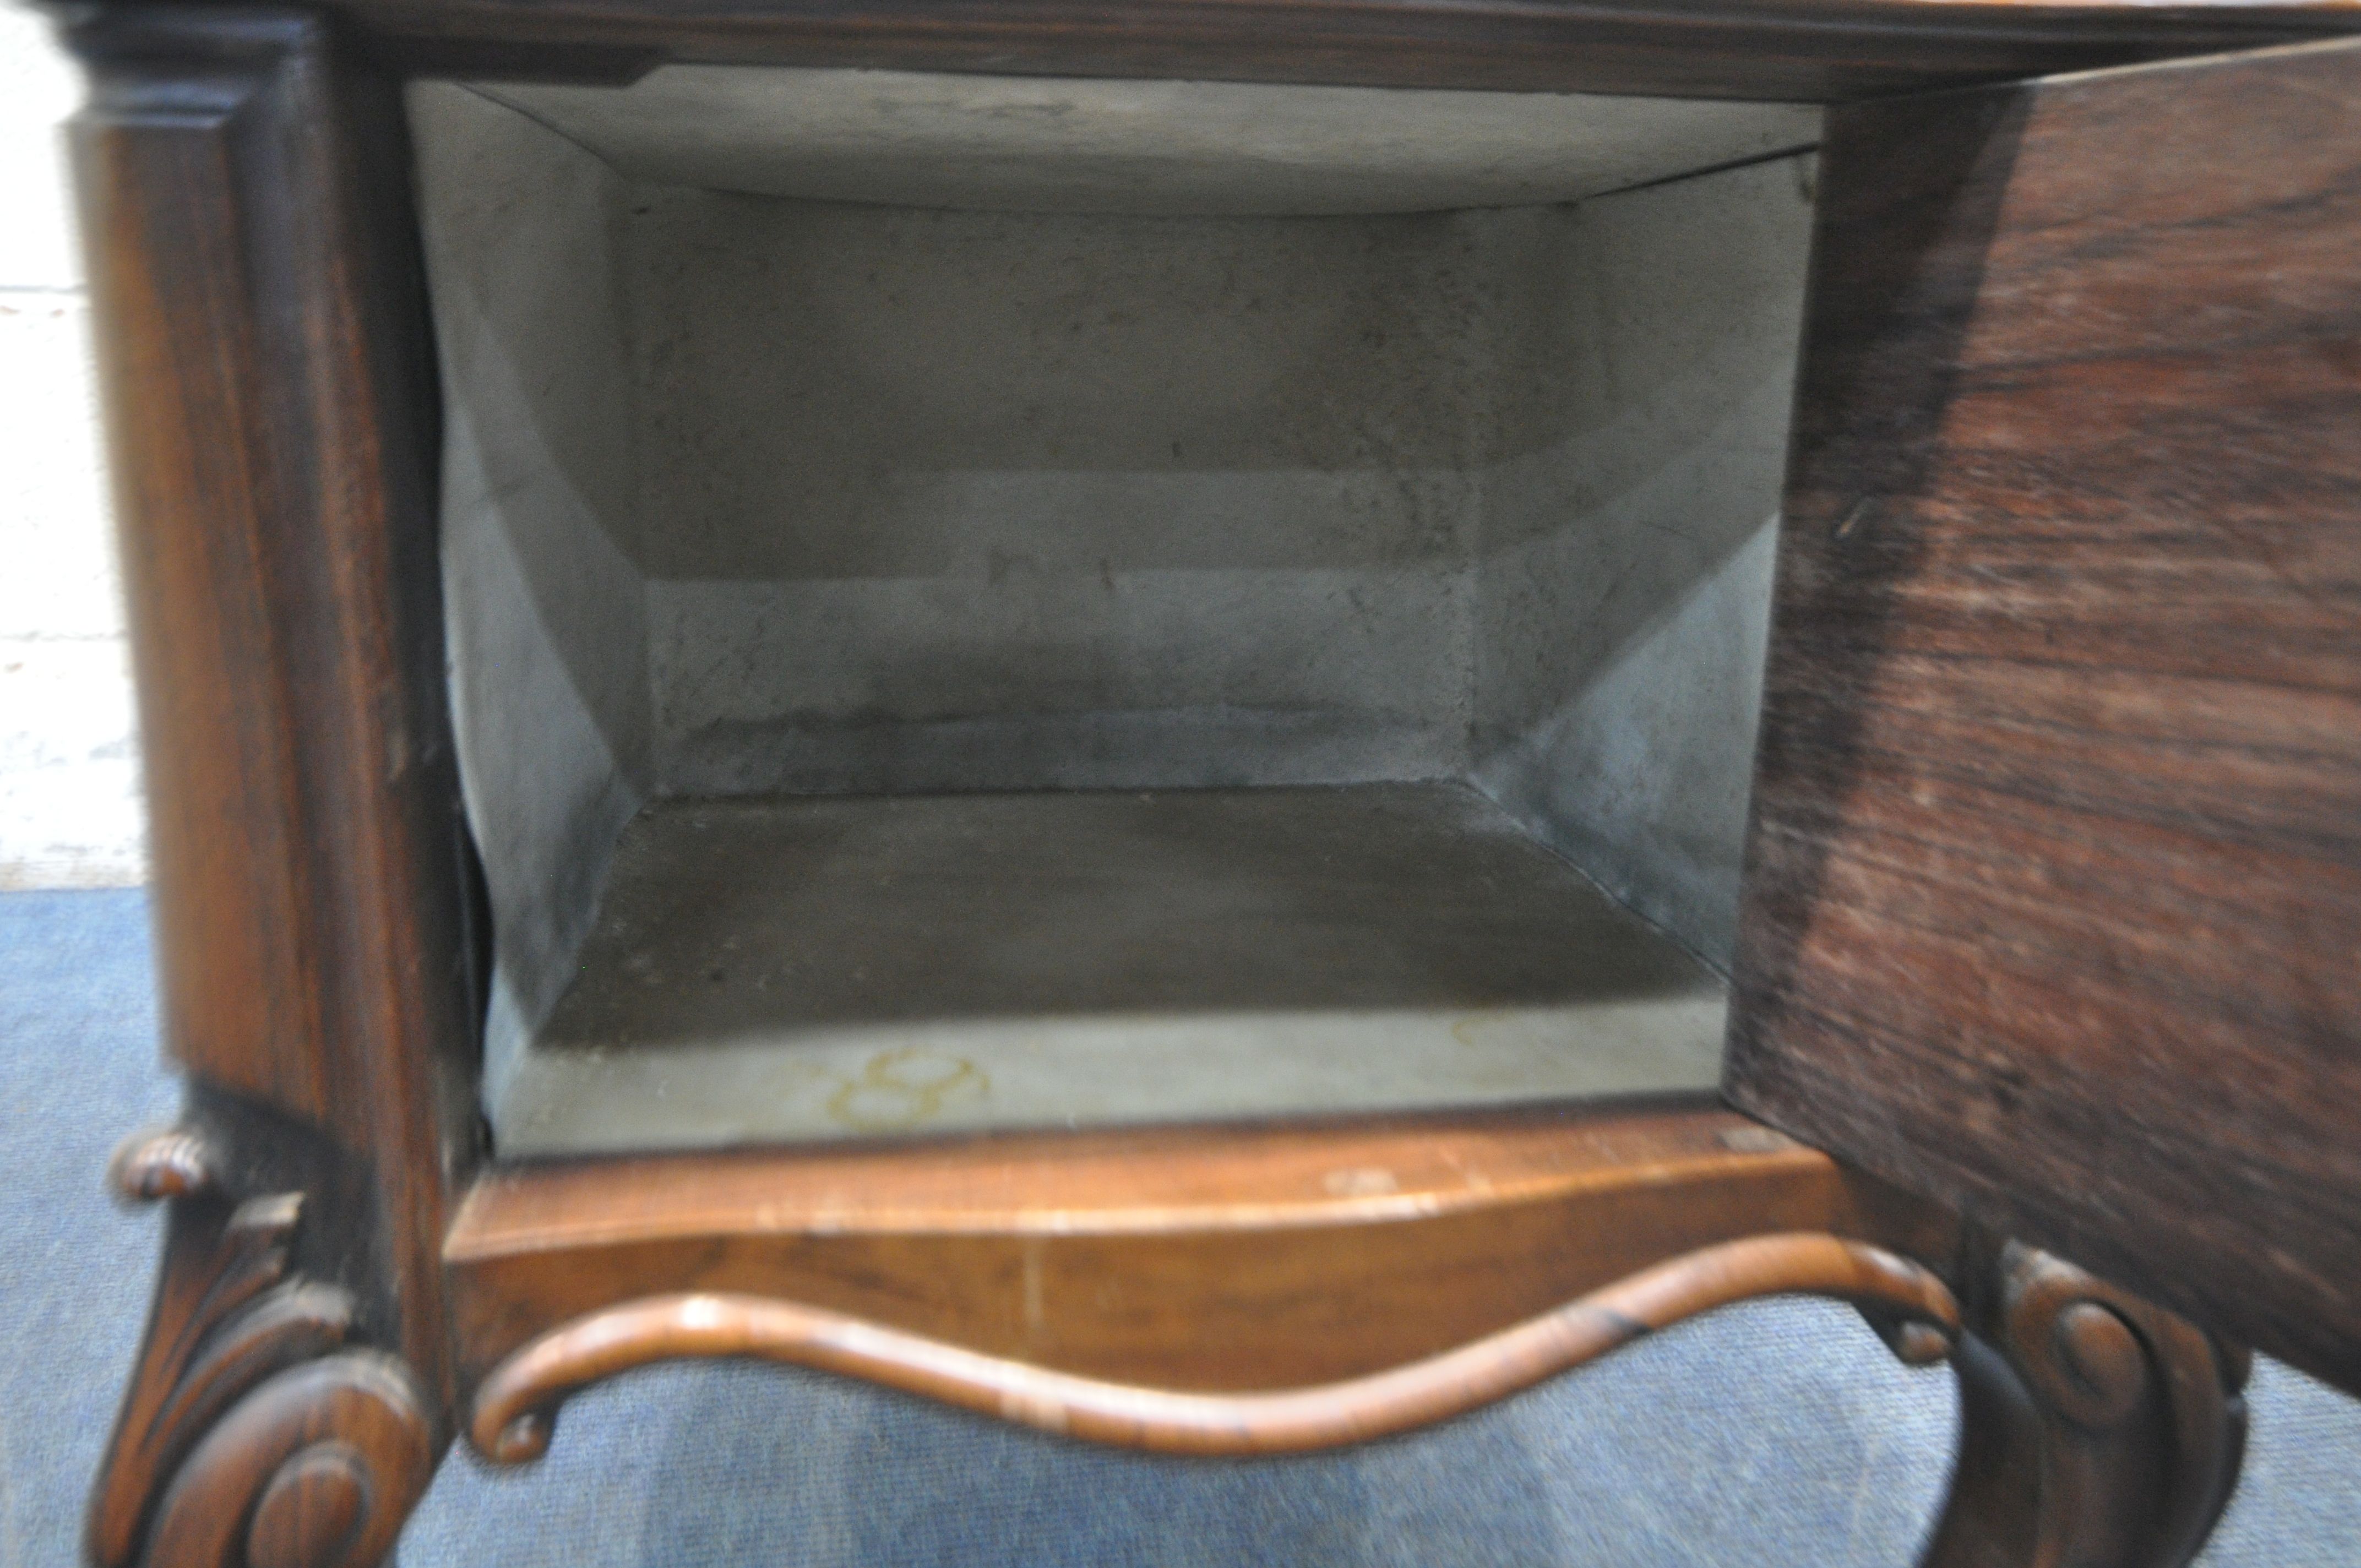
[
  {"x": 264, "y": 348},
  {"x": 1798, "y": 50},
  {"x": 2094, "y": 1427},
  {"x": 252, "y": 1434},
  {"x": 1191, "y": 1259},
  {"x": 264, "y": 360},
  {"x": 226, "y": 1316},
  {"x": 186, "y": 386},
  {"x": 2054, "y": 896},
  {"x": 318, "y": 1467}
]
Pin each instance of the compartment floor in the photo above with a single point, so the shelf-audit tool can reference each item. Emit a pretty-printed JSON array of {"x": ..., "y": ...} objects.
[{"x": 834, "y": 967}]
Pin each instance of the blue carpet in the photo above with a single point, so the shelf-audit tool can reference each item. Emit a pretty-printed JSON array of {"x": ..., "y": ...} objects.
[{"x": 1775, "y": 1434}]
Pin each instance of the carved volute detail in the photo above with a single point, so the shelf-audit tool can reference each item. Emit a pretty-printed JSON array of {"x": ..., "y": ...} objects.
[
  {"x": 316, "y": 1468},
  {"x": 2098, "y": 1430},
  {"x": 249, "y": 1437}
]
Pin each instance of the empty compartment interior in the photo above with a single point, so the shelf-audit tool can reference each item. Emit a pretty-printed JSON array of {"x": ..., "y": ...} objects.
[{"x": 983, "y": 602}]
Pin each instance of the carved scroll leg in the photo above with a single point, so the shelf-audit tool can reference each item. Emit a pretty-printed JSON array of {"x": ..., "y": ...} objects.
[
  {"x": 2097, "y": 1430},
  {"x": 317, "y": 1468},
  {"x": 247, "y": 1438}
]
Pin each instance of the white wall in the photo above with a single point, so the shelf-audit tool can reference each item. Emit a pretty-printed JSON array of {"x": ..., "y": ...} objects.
[{"x": 71, "y": 814}]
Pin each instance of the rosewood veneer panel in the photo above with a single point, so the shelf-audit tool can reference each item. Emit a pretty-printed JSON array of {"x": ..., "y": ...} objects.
[
  {"x": 262, "y": 345},
  {"x": 1811, "y": 51},
  {"x": 2055, "y": 880}
]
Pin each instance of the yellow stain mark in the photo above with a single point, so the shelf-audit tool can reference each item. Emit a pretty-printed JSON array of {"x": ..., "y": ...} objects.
[
  {"x": 901, "y": 1088},
  {"x": 1465, "y": 1030}
]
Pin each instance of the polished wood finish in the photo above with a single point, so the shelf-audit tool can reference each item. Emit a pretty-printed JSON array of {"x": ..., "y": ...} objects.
[
  {"x": 1806, "y": 50},
  {"x": 250, "y": 1437},
  {"x": 226, "y": 1317},
  {"x": 1201, "y": 1259},
  {"x": 2095, "y": 1429},
  {"x": 263, "y": 351},
  {"x": 2054, "y": 892},
  {"x": 516, "y": 1405},
  {"x": 237, "y": 953},
  {"x": 264, "y": 348},
  {"x": 316, "y": 1468}
]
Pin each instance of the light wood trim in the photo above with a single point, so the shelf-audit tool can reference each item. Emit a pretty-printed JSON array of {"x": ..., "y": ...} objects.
[
  {"x": 1116, "y": 1182},
  {"x": 515, "y": 1407},
  {"x": 1213, "y": 1259}
]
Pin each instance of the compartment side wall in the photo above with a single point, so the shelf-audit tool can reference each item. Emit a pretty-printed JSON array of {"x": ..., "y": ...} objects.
[
  {"x": 547, "y": 604},
  {"x": 1622, "y": 593}
]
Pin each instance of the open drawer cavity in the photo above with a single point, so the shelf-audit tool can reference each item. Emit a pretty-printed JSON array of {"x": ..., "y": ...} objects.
[{"x": 980, "y": 603}]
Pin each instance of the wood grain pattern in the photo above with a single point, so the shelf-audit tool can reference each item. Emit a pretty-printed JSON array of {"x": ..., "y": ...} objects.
[
  {"x": 1188, "y": 1259},
  {"x": 252, "y": 1434},
  {"x": 239, "y": 975},
  {"x": 2094, "y": 1427},
  {"x": 2068, "y": 725},
  {"x": 317, "y": 1468},
  {"x": 2054, "y": 892},
  {"x": 516, "y": 1405},
  {"x": 1808, "y": 50},
  {"x": 263, "y": 349},
  {"x": 226, "y": 1317}
]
